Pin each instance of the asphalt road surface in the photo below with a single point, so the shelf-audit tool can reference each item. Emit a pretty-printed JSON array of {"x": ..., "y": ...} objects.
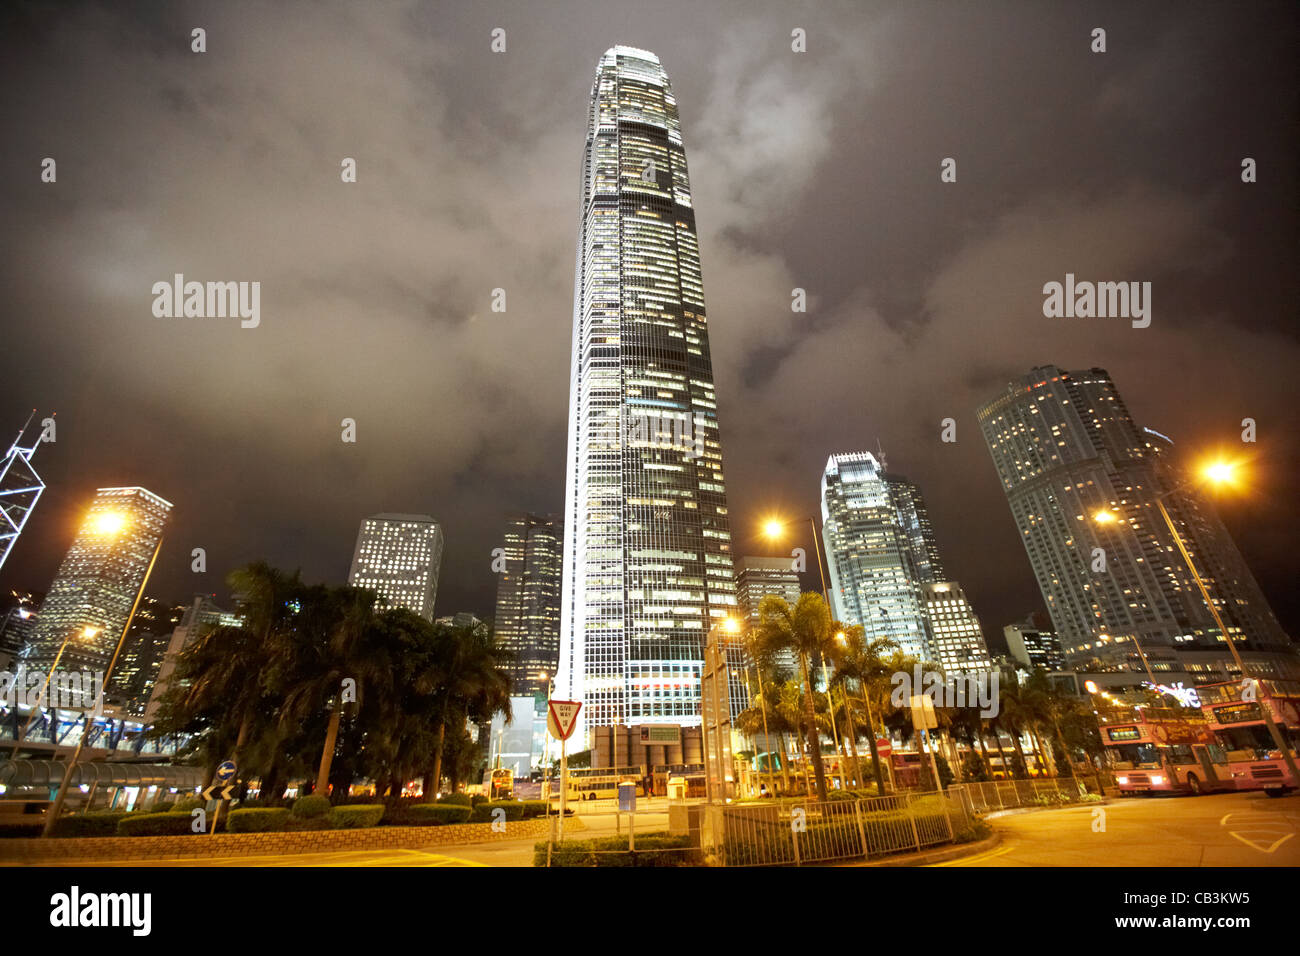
[{"x": 1236, "y": 829}]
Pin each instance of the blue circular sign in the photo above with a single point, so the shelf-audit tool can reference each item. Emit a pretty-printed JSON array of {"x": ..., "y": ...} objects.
[{"x": 226, "y": 770}]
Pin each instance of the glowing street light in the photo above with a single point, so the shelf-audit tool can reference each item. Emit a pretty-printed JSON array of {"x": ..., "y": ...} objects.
[
  {"x": 1104, "y": 517},
  {"x": 1220, "y": 472}
]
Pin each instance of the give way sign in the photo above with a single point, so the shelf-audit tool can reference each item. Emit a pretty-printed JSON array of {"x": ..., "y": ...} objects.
[{"x": 561, "y": 717}]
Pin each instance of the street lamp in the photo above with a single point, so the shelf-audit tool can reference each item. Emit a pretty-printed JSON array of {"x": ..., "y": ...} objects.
[
  {"x": 774, "y": 527},
  {"x": 52, "y": 814},
  {"x": 1221, "y": 472},
  {"x": 88, "y": 633}
]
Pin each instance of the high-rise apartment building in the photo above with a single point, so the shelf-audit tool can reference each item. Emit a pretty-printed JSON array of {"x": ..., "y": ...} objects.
[
  {"x": 99, "y": 580},
  {"x": 528, "y": 600},
  {"x": 647, "y": 552},
  {"x": 1067, "y": 450},
  {"x": 398, "y": 557}
]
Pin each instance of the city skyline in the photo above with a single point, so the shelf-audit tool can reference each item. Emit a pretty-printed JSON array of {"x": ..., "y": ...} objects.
[{"x": 768, "y": 224}]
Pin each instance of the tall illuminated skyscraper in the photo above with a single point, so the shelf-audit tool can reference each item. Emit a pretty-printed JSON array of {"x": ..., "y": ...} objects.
[
  {"x": 647, "y": 556},
  {"x": 528, "y": 600},
  {"x": 398, "y": 557},
  {"x": 91, "y": 597},
  {"x": 875, "y": 547}
]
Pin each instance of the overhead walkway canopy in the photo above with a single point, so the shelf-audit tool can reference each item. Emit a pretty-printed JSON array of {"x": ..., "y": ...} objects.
[{"x": 49, "y": 773}]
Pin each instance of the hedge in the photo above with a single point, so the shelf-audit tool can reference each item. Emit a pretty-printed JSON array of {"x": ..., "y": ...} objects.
[
  {"x": 652, "y": 849},
  {"x": 98, "y": 823},
  {"x": 458, "y": 800},
  {"x": 155, "y": 824},
  {"x": 425, "y": 815},
  {"x": 356, "y": 816},
  {"x": 312, "y": 805},
  {"x": 485, "y": 812},
  {"x": 257, "y": 819}
]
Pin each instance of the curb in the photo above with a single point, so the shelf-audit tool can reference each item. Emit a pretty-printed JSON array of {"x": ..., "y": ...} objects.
[
  {"x": 1014, "y": 811},
  {"x": 938, "y": 856}
]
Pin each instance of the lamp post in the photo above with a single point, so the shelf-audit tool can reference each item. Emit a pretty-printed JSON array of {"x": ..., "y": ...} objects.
[
  {"x": 773, "y": 529},
  {"x": 52, "y": 815},
  {"x": 88, "y": 633},
  {"x": 1219, "y": 472}
]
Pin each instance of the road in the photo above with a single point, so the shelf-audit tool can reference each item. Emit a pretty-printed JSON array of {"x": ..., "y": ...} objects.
[
  {"x": 1236, "y": 829},
  {"x": 1239, "y": 829}
]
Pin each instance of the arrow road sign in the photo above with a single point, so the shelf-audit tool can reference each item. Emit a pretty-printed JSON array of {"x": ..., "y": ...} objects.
[
  {"x": 225, "y": 792},
  {"x": 225, "y": 771},
  {"x": 562, "y": 717}
]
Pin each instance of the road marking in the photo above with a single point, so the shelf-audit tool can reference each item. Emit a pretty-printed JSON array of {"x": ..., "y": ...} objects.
[
  {"x": 978, "y": 858},
  {"x": 1265, "y": 818}
]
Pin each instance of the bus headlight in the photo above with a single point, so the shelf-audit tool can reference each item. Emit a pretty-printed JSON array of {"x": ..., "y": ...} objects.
[
  {"x": 1157, "y": 780},
  {"x": 1123, "y": 781}
]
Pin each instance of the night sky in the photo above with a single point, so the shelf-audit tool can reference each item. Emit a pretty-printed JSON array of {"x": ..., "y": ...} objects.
[{"x": 816, "y": 170}]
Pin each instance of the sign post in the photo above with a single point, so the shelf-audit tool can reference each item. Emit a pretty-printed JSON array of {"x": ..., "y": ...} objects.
[
  {"x": 923, "y": 719},
  {"x": 561, "y": 718},
  {"x": 225, "y": 772}
]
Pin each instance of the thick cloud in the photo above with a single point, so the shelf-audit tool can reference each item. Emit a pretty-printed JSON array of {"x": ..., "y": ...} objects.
[{"x": 817, "y": 170}]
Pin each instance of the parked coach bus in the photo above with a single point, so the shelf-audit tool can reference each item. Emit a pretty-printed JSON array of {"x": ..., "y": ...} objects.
[
  {"x": 1163, "y": 750},
  {"x": 601, "y": 783},
  {"x": 1234, "y": 712}
]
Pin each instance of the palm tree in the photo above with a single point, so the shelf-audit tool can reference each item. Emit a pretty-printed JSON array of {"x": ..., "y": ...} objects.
[
  {"x": 763, "y": 717},
  {"x": 804, "y": 629},
  {"x": 466, "y": 678},
  {"x": 861, "y": 662},
  {"x": 1016, "y": 714}
]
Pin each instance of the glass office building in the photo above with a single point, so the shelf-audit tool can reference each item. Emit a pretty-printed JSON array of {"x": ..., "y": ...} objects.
[{"x": 647, "y": 554}]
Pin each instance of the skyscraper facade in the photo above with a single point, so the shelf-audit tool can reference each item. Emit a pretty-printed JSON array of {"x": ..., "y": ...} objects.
[
  {"x": 871, "y": 529},
  {"x": 99, "y": 580},
  {"x": 757, "y": 577},
  {"x": 647, "y": 554},
  {"x": 956, "y": 638},
  {"x": 1066, "y": 449},
  {"x": 528, "y": 600},
  {"x": 398, "y": 557}
]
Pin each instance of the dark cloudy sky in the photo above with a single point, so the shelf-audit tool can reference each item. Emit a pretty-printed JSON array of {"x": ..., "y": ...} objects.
[{"x": 817, "y": 170}]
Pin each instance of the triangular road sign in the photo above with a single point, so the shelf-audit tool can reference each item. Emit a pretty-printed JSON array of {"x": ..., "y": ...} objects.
[{"x": 562, "y": 717}]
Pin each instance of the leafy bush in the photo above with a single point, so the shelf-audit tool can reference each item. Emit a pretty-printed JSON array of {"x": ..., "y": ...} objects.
[
  {"x": 188, "y": 802},
  {"x": 425, "y": 815},
  {"x": 311, "y": 806},
  {"x": 257, "y": 819},
  {"x": 99, "y": 823},
  {"x": 155, "y": 824},
  {"x": 356, "y": 816},
  {"x": 1090, "y": 798},
  {"x": 484, "y": 812},
  {"x": 163, "y": 806},
  {"x": 459, "y": 799},
  {"x": 534, "y": 808},
  {"x": 974, "y": 769},
  {"x": 478, "y": 798},
  {"x": 977, "y": 830},
  {"x": 17, "y": 831},
  {"x": 652, "y": 849}
]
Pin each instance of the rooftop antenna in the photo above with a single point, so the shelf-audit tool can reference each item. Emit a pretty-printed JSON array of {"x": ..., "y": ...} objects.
[{"x": 880, "y": 455}]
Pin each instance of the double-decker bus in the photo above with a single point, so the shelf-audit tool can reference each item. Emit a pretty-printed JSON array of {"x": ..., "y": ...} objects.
[
  {"x": 1234, "y": 711},
  {"x": 1167, "y": 750},
  {"x": 601, "y": 783},
  {"x": 500, "y": 784}
]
